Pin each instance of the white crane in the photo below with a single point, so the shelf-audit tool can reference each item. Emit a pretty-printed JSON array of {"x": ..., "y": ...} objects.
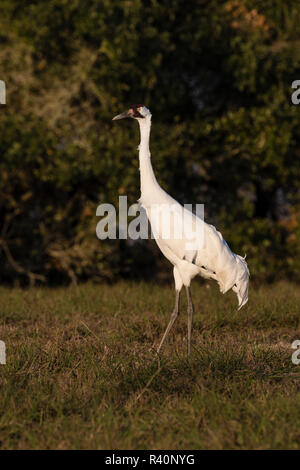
[{"x": 191, "y": 254}]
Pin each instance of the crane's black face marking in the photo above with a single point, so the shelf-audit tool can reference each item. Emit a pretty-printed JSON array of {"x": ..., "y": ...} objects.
[{"x": 133, "y": 112}]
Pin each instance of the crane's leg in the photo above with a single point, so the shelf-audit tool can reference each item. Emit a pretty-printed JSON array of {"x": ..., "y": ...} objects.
[
  {"x": 190, "y": 311},
  {"x": 174, "y": 315}
]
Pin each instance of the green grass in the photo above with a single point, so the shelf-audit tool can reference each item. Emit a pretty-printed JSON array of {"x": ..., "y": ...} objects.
[{"x": 82, "y": 372}]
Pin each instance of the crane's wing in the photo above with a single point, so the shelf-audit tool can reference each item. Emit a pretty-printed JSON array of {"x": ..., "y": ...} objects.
[{"x": 185, "y": 238}]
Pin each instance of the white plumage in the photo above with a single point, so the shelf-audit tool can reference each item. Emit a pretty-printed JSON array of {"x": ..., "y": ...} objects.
[{"x": 207, "y": 255}]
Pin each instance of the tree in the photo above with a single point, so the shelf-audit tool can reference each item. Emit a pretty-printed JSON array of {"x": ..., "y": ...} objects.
[{"x": 217, "y": 77}]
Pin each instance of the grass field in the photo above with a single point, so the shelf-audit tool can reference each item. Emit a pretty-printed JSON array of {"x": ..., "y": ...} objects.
[{"x": 82, "y": 372}]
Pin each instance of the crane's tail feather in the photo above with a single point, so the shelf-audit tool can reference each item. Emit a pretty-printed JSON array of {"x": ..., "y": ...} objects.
[{"x": 242, "y": 283}]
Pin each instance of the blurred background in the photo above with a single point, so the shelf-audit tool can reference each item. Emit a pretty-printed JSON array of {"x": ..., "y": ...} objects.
[{"x": 217, "y": 78}]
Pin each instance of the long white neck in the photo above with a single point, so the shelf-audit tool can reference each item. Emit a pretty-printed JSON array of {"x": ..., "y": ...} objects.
[{"x": 148, "y": 180}]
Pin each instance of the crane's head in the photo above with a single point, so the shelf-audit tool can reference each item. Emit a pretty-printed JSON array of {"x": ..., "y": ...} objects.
[{"x": 137, "y": 111}]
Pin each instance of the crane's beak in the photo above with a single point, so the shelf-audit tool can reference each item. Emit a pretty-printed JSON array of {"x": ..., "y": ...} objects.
[{"x": 127, "y": 114}]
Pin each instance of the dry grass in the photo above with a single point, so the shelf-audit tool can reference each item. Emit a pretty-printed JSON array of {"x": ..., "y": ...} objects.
[{"x": 82, "y": 373}]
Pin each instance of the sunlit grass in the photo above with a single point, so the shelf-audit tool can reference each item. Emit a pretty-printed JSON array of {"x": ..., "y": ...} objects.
[{"x": 82, "y": 371}]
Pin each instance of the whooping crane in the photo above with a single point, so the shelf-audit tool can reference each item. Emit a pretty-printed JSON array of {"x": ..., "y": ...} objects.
[{"x": 210, "y": 257}]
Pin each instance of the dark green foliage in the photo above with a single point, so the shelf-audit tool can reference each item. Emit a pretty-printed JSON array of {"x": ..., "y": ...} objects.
[{"x": 217, "y": 77}]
